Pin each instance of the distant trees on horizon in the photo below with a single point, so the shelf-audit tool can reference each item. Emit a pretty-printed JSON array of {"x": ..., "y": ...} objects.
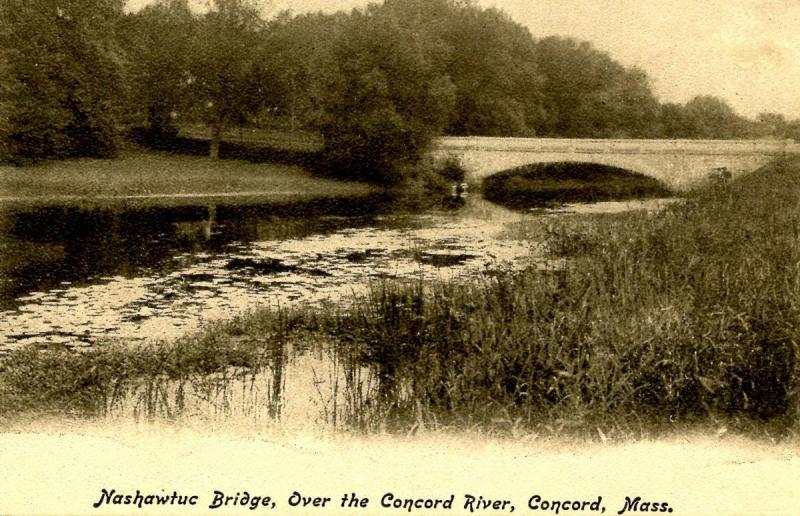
[{"x": 377, "y": 83}]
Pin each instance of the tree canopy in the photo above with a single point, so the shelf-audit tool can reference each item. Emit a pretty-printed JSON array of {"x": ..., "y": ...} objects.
[
  {"x": 385, "y": 100},
  {"x": 377, "y": 83},
  {"x": 158, "y": 40},
  {"x": 61, "y": 77},
  {"x": 226, "y": 80}
]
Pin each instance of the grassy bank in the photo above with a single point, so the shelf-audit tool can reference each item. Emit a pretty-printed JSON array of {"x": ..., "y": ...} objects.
[
  {"x": 691, "y": 316},
  {"x": 159, "y": 178},
  {"x": 306, "y": 150},
  {"x": 546, "y": 183},
  {"x": 688, "y": 317}
]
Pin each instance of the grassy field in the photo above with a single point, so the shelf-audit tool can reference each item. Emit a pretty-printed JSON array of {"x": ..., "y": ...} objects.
[
  {"x": 681, "y": 319},
  {"x": 161, "y": 178}
]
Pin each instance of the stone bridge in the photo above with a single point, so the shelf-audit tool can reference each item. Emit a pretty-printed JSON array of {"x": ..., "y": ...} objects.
[{"x": 678, "y": 163}]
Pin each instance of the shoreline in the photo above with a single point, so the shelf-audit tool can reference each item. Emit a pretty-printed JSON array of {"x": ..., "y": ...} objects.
[
  {"x": 192, "y": 195},
  {"x": 141, "y": 175},
  {"x": 175, "y": 199},
  {"x": 638, "y": 291}
]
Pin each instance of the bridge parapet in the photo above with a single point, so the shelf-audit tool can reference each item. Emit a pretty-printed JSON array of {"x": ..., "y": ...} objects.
[{"x": 489, "y": 143}]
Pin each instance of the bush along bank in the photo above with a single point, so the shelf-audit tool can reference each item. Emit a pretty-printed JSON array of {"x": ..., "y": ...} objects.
[{"x": 688, "y": 317}]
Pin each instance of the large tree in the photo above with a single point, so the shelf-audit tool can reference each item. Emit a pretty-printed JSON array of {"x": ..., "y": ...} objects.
[
  {"x": 61, "y": 77},
  {"x": 589, "y": 94},
  {"x": 710, "y": 117},
  {"x": 672, "y": 121},
  {"x": 771, "y": 125},
  {"x": 489, "y": 58},
  {"x": 385, "y": 101},
  {"x": 227, "y": 77},
  {"x": 159, "y": 41},
  {"x": 300, "y": 65}
]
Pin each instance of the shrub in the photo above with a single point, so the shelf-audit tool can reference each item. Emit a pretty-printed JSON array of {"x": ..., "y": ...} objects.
[{"x": 452, "y": 170}]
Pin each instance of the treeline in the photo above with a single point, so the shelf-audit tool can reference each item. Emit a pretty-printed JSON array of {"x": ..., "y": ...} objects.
[{"x": 376, "y": 83}]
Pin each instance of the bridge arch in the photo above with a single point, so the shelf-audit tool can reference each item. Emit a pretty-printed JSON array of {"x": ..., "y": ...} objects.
[{"x": 541, "y": 183}]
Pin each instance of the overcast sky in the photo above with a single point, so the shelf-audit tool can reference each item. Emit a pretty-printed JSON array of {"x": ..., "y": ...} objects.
[{"x": 745, "y": 51}]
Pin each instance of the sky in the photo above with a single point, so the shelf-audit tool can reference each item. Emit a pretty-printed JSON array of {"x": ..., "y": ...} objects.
[{"x": 744, "y": 51}]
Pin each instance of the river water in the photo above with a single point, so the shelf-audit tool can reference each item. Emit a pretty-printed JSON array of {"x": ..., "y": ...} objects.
[{"x": 81, "y": 277}]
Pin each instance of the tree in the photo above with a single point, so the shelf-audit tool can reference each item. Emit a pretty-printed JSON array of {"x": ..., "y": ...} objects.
[
  {"x": 61, "y": 76},
  {"x": 227, "y": 81},
  {"x": 385, "y": 102},
  {"x": 299, "y": 60},
  {"x": 159, "y": 39},
  {"x": 771, "y": 125},
  {"x": 632, "y": 109},
  {"x": 793, "y": 130},
  {"x": 488, "y": 57},
  {"x": 672, "y": 121},
  {"x": 712, "y": 118},
  {"x": 494, "y": 69},
  {"x": 589, "y": 94}
]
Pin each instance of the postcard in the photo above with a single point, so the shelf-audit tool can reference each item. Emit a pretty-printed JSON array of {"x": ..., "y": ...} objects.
[{"x": 399, "y": 257}]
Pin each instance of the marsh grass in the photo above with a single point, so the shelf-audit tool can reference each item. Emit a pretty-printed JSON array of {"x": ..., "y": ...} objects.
[
  {"x": 684, "y": 318},
  {"x": 231, "y": 370},
  {"x": 690, "y": 315}
]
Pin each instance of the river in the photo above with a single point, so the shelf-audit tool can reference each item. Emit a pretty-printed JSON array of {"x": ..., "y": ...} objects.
[
  {"x": 82, "y": 277},
  {"x": 79, "y": 277}
]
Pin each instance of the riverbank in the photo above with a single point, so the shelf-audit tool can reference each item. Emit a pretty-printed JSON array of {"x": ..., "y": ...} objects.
[
  {"x": 684, "y": 318},
  {"x": 158, "y": 178}
]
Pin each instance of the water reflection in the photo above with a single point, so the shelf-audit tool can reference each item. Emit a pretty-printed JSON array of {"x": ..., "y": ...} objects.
[
  {"x": 78, "y": 276},
  {"x": 52, "y": 246},
  {"x": 296, "y": 388}
]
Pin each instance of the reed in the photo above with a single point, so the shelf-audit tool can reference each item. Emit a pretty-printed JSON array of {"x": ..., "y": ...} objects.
[
  {"x": 685, "y": 317},
  {"x": 691, "y": 315}
]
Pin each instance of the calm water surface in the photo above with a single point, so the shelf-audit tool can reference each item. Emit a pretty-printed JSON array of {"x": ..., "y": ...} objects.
[{"x": 82, "y": 277}]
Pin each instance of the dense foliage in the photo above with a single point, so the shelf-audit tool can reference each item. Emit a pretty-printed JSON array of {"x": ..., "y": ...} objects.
[
  {"x": 377, "y": 83},
  {"x": 386, "y": 100},
  {"x": 158, "y": 40},
  {"x": 60, "y": 77}
]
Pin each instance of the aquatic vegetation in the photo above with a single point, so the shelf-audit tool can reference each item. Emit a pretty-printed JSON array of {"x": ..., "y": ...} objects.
[{"x": 688, "y": 316}]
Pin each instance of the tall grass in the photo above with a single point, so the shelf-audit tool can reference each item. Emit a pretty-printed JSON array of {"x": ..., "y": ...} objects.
[
  {"x": 689, "y": 316},
  {"x": 59, "y": 381}
]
